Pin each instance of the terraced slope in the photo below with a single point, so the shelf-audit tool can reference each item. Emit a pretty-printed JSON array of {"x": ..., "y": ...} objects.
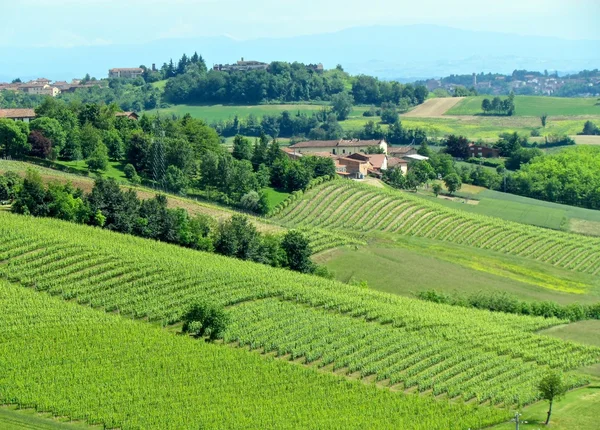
[
  {"x": 485, "y": 357},
  {"x": 371, "y": 209},
  {"x": 104, "y": 369}
]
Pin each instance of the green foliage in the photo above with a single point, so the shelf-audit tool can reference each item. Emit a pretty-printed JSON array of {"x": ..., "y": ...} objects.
[
  {"x": 590, "y": 129},
  {"x": 205, "y": 319},
  {"x": 503, "y": 302},
  {"x": 298, "y": 251},
  {"x": 98, "y": 159},
  {"x": 571, "y": 177},
  {"x": 9, "y": 184},
  {"x": 457, "y": 146},
  {"x": 341, "y": 105},
  {"x": 175, "y": 180},
  {"x": 552, "y": 387},
  {"x": 436, "y": 188},
  {"x": 452, "y": 182},
  {"x": 13, "y": 138}
]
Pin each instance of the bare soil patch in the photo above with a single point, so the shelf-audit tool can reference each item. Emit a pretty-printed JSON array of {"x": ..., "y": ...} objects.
[
  {"x": 459, "y": 200},
  {"x": 433, "y": 108}
]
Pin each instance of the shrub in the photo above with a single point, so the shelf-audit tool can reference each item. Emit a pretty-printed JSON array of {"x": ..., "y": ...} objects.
[{"x": 205, "y": 319}]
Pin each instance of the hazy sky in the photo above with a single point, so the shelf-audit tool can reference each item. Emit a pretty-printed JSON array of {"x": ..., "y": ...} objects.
[{"x": 90, "y": 22}]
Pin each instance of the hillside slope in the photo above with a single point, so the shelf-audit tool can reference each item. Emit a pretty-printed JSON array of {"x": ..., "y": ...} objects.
[
  {"x": 125, "y": 374},
  {"x": 408, "y": 344},
  {"x": 346, "y": 205}
]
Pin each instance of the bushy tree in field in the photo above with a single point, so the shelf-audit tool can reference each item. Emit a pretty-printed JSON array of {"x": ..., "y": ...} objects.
[
  {"x": 452, "y": 182},
  {"x": 205, "y": 319},
  {"x": 175, "y": 180},
  {"x": 437, "y": 189},
  {"x": 590, "y": 129}
]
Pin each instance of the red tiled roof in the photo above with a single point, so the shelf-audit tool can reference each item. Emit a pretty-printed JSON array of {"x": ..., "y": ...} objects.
[
  {"x": 377, "y": 160},
  {"x": 17, "y": 113}
]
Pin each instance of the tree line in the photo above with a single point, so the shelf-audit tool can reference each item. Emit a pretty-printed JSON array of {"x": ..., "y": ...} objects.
[
  {"x": 497, "y": 106},
  {"x": 503, "y": 302},
  {"x": 108, "y": 206},
  {"x": 176, "y": 155},
  {"x": 568, "y": 177},
  {"x": 284, "y": 82}
]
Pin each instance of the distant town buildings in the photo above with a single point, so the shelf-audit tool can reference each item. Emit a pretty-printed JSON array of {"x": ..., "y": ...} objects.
[
  {"x": 520, "y": 82},
  {"x": 45, "y": 87},
  {"x": 246, "y": 65},
  {"x": 126, "y": 72}
]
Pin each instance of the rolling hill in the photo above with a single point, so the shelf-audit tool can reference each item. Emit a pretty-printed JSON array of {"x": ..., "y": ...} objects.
[{"x": 405, "y": 344}]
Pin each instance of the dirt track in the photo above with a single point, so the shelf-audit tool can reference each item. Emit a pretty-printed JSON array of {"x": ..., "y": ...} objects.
[{"x": 433, "y": 108}]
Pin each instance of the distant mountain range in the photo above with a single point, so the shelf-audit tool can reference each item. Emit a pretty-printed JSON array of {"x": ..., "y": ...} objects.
[{"x": 405, "y": 53}]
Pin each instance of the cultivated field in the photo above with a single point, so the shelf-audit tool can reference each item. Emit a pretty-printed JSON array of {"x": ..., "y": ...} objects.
[
  {"x": 534, "y": 106},
  {"x": 347, "y": 205},
  {"x": 433, "y": 108},
  {"x": 407, "y": 345}
]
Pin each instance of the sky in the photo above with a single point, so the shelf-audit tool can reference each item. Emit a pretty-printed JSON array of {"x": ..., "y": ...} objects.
[{"x": 67, "y": 23}]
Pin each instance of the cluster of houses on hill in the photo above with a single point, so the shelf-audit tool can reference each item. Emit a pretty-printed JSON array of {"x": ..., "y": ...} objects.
[
  {"x": 45, "y": 87},
  {"x": 246, "y": 65},
  {"x": 352, "y": 158},
  {"x": 528, "y": 83}
]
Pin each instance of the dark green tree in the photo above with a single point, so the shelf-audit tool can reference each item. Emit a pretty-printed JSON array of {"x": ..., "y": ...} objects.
[{"x": 298, "y": 251}]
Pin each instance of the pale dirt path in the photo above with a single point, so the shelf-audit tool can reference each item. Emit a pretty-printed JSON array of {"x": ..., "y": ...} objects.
[{"x": 433, "y": 108}]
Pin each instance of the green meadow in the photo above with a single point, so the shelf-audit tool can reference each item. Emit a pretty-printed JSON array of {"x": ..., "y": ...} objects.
[
  {"x": 213, "y": 113},
  {"x": 534, "y": 106}
]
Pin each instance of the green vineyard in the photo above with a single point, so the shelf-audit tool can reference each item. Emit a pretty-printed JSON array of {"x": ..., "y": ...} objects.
[
  {"x": 478, "y": 356},
  {"x": 106, "y": 370},
  {"x": 346, "y": 205}
]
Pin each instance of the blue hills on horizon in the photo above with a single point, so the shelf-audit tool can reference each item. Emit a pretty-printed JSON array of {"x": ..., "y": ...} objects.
[{"x": 390, "y": 52}]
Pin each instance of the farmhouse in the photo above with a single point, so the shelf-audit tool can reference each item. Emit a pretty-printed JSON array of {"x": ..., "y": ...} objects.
[
  {"x": 483, "y": 151},
  {"x": 378, "y": 162},
  {"x": 339, "y": 147},
  {"x": 125, "y": 72},
  {"x": 356, "y": 166},
  {"x": 399, "y": 163},
  {"x": 24, "y": 115},
  {"x": 39, "y": 87}
]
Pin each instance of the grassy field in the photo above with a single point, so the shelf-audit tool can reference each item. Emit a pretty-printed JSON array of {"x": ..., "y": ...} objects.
[
  {"x": 578, "y": 410},
  {"x": 29, "y": 419},
  {"x": 276, "y": 196},
  {"x": 586, "y": 332},
  {"x": 408, "y": 265},
  {"x": 213, "y": 113},
  {"x": 526, "y": 210},
  {"x": 534, "y": 106},
  {"x": 114, "y": 170}
]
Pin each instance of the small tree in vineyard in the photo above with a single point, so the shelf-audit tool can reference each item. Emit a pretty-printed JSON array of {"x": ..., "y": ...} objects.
[{"x": 551, "y": 388}]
